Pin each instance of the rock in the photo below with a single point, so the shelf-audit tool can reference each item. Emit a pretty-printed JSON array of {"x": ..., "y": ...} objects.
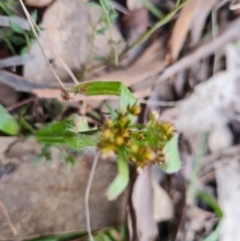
[
  {"x": 38, "y": 3},
  {"x": 8, "y": 96},
  {"x": 50, "y": 197},
  {"x": 220, "y": 138},
  {"x": 228, "y": 189},
  {"x": 66, "y": 32}
]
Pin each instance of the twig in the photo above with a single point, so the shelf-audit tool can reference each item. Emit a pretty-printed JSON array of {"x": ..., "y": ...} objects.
[
  {"x": 74, "y": 79},
  {"x": 215, "y": 32},
  {"x": 18, "y": 104},
  {"x": 13, "y": 229},
  {"x": 231, "y": 33},
  {"x": 119, "y": 7},
  {"x": 234, "y": 6},
  {"x": 87, "y": 193},
  {"x": 159, "y": 103},
  {"x": 14, "y": 61},
  {"x": 35, "y": 33},
  {"x": 21, "y": 22},
  {"x": 196, "y": 169}
]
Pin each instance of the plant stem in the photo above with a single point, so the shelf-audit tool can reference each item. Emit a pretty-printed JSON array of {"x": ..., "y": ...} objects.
[
  {"x": 31, "y": 22},
  {"x": 10, "y": 46},
  {"x": 91, "y": 51},
  {"x": 113, "y": 51},
  {"x": 160, "y": 23},
  {"x": 87, "y": 193},
  {"x": 178, "y": 2},
  {"x": 196, "y": 168}
]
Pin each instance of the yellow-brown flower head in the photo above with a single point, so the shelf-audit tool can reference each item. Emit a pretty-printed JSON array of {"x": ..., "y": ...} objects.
[{"x": 134, "y": 109}]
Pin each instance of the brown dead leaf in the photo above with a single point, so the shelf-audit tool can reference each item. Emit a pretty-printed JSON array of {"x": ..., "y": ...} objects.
[
  {"x": 135, "y": 23},
  {"x": 150, "y": 63},
  {"x": 203, "y": 8},
  {"x": 163, "y": 206},
  {"x": 8, "y": 96},
  {"x": 182, "y": 27},
  {"x": 192, "y": 16},
  {"x": 228, "y": 34},
  {"x": 142, "y": 199}
]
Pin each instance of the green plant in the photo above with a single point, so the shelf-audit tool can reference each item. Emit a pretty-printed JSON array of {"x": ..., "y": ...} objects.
[
  {"x": 106, "y": 234},
  {"x": 151, "y": 143},
  {"x": 8, "y": 124},
  {"x": 139, "y": 144},
  {"x": 14, "y": 36},
  {"x": 104, "y": 24}
]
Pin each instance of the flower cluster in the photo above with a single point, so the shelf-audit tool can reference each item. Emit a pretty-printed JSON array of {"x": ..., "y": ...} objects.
[
  {"x": 142, "y": 145},
  {"x": 116, "y": 133}
]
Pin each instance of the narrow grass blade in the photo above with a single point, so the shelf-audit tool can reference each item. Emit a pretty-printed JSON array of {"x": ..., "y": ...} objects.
[{"x": 211, "y": 202}]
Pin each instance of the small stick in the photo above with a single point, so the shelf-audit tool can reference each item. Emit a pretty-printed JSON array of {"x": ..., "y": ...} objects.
[
  {"x": 26, "y": 101},
  {"x": 35, "y": 33},
  {"x": 87, "y": 193},
  {"x": 4, "y": 211},
  {"x": 234, "y": 6}
]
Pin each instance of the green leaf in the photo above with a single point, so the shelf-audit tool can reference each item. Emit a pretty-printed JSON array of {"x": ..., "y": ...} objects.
[
  {"x": 65, "y": 132},
  {"x": 112, "y": 112},
  {"x": 105, "y": 237},
  {"x": 8, "y": 124},
  {"x": 99, "y": 59},
  {"x": 211, "y": 202},
  {"x": 61, "y": 237},
  {"x": 17, "y": 40},
  {"x": 15, "y": 27},
  {"x": 107, "y": 88},
  {"x": 113, "y": 15},
  {"x": 5, "y": 8},
  {"x": 34, "y": 15},
  {"x": 157, "y": 25},
  {"x": 152, "y": 8},
  {"x": 81, "y": 123},
  {"x": 92, "y": 4},
  {"x": 121, "y": 181},
  {"x": 107, "y": 4},
  {"x": 101, "y": 31},
  {"x": 171, "y": 153},
  {"x": 70, "y": 160}
]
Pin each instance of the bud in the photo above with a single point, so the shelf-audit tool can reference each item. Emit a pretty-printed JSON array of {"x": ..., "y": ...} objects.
[
  {"x": 123, "y": 121},
  {"x": 107, "y": 134},
  {"x": 109, "y": 123},
  {"x": 119, "y": 140},
  {"x": 149, "y": 155},
  {"x": 125, "y": 133},
  {"x": 160, "y": 159},
  {"x": 134, "y": 148},
  {"x": 134, "y": 110}
]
